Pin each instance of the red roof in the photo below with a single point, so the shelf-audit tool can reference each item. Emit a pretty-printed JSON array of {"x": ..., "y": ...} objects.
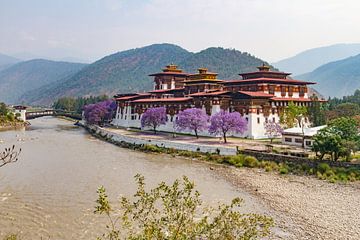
[
  {"x": 208, "y": 93},
  {"x": 257, "y": 94},
  {"x": 291, "y": 99},
  {"x": 273, "y": 80},
  {"x": 146, "y": 100},
  {"x": 170, "y": 73},
  {"x": 266, "y": 72},
  {"x": 166, "y": 90},
  {"x": 132, "y": 96}
]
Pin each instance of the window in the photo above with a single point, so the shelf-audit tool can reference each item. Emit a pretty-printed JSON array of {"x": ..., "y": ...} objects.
[
  {"x": 288, "y": 139},
  {"x": 266, "y": 120},
  {"x": 258, "y": 120},
  {"x": 271, "y": 89},
  {"x": 308, "y": 143},
  {"x": 298, "y": 140},
  {"x": 247, "y": 119},
  {"x": 273, "y": 119}
]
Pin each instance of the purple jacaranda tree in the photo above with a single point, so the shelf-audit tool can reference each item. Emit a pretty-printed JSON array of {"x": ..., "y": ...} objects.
[
  {"x": 153, "y": 118},
  {"x": 192, "y": 119},
  {"x": 224, "y": 123},
  {"x": 273, "y": 130},
  {"x": 100, "y": 112}
]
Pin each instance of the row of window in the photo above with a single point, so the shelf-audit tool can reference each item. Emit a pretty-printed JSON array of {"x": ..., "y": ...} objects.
[{"x": 298, "y": 140}]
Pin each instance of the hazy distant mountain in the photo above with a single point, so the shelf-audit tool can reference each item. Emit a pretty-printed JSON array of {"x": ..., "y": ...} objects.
[
  {"x": 336, "y": 79},
  {"x": 6, "y": 61},
  {"x": 311, "y": 59},
  {"x": 25, "y": 76},
  {"x": 128, "y": 71}
]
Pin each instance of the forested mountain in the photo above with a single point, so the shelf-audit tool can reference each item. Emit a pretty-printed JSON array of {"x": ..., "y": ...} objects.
[
  {"x": 26, "y": 76},
  {"x": 6, "y": 61},
  {"x": 311, "y": 59},
  {"x": 336, "y": 79},
  {"x": 228, "y": 63},
  {"x": 128, "y": 71}
]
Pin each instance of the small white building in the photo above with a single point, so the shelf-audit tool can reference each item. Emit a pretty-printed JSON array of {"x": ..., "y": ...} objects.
[
  {"x": 21, "y": 112},
  {"x": 294, "y": 136}
]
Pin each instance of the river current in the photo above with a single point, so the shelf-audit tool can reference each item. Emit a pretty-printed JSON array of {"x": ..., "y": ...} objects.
[{"x": 50, "y": 192}]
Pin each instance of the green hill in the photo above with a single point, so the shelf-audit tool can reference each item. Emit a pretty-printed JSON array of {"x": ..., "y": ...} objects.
[
  {"x": 336, "y": 79},
  {"x": 128, "y": 71},
  {"x": 26, "y": 76},
  {"x": 228, "y": 63}
]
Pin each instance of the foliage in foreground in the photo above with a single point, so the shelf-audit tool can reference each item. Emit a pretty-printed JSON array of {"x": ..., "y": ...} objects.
[
  {"x": 175, "y": 212},
  {"x": 11, "y": 237}
]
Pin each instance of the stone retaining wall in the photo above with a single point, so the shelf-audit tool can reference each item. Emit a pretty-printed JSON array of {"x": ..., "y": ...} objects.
[
  {"x": 279, "y": 158},
  {"x": 115, "y": 137}
]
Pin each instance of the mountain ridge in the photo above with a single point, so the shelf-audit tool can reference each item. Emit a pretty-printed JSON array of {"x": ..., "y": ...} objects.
[
  {"x": 337, "y": 78},
  {"x": 308, "y": 60},
  {"x": 128, "y": 71},
  {"x": 29, "y": 75}
]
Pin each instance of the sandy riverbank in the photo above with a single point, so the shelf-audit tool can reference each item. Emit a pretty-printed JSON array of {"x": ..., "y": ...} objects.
[
  {"x": 307, "y": 208},
  {"x": 304, "y": 207}
]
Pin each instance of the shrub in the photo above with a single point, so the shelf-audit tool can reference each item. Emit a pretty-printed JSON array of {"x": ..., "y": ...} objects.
[
  {"x": 323, "y": 167},
  {"x": 176, "y": 211},
  {"x": 251, "y": 162},
  {"x": 237, "y": 160},
  {"x": 151, "y": 148},
  {"x": 283, "y": 170},
  {"x": 11, "y": 237}
]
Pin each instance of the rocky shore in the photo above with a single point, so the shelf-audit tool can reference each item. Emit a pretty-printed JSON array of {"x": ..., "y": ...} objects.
[{"x": 305, "y": 207}]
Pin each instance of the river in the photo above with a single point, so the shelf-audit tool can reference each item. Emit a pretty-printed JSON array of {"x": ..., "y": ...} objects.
[{"x": 51, "y": 191}]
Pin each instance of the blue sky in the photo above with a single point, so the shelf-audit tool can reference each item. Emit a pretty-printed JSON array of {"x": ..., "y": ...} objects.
[{"x": 90, "y": 29}]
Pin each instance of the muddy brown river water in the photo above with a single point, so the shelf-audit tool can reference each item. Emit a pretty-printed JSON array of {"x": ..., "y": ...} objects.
[{"x": 50, "y": 192}]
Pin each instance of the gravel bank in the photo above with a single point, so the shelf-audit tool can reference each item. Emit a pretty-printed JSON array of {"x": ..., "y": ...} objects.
[{"x": 306, "y": 208}]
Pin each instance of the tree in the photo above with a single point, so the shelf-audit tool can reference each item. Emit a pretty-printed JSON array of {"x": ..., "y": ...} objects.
[
  {"x": 9, "y": 155},
  {"x": 339, "y": 139},
  {"x": 327, "y": 141},
  {"x": 175, "y": 212},
  {"x": 153, "y": 118},
  {"x": 223, "y": 123},
  {"x": 273, "y": 130},
  {"x": 316, "y": 112},
  {"x": 295, "y": 116},
  {"x": 346, "y": 127},
  {"x": 193, "y": 119},
  {"x": 100, "y": 112}
]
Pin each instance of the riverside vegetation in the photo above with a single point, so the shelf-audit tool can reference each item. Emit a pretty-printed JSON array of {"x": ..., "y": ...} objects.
[
  {"x": 322, "y": 170},
  {"x": 8, "y": 118}
]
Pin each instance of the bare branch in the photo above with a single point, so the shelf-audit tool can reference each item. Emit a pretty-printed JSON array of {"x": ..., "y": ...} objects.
[{"x": 9, "y": 155}]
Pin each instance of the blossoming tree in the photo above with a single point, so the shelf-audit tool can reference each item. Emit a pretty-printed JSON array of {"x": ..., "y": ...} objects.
[
  {"x": 273, "y": 130},
  {"x": 224, "y": 123},
  {"x": 153, "y": 118},
  {"x": 192, "y": 119},
  {"x": 100, "y": 112}
]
